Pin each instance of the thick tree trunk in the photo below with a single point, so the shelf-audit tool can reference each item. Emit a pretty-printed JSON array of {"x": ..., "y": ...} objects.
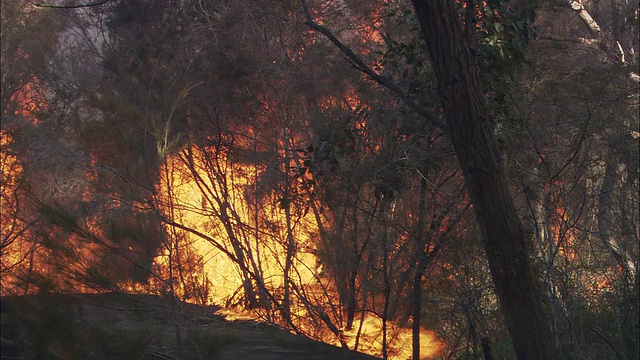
[{"x": 461, "y": 94}]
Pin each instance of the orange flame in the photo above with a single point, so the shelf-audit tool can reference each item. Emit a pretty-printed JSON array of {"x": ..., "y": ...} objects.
[{"x": 196, "y": 209}]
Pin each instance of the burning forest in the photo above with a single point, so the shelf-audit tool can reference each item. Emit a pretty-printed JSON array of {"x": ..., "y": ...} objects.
[{"x": 359, "y": 173}]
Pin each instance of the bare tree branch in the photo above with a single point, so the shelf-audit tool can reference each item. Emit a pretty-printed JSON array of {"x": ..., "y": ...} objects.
[
  {"x": 359, "y": 64},
  {"x": 596, "y": 30},
  {"x": 577, "y": 40},
  {"x": 77, "y": 6},
  {"x": 613, "y": 349}
]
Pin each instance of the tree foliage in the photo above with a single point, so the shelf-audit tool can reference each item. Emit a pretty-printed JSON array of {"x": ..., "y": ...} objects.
[{"x": 299, "y": 162}]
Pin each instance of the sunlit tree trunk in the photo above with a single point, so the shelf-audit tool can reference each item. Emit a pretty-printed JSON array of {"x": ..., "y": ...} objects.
[{"x": 461, "y": 95}]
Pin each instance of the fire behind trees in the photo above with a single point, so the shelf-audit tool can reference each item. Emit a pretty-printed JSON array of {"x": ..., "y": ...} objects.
[{"x": 228, "y": 153}]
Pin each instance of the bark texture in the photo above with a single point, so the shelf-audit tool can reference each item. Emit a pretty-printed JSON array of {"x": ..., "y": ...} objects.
[{"x": 462, "y": 98}]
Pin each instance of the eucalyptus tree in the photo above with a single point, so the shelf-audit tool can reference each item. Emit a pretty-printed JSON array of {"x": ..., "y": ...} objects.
[
  {"x": 450, "y": 35},
  {"x": 580, "y": 123}
]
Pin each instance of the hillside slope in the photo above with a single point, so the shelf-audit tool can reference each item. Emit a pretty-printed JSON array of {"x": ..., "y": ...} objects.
[{"x": 117, "y": 326}]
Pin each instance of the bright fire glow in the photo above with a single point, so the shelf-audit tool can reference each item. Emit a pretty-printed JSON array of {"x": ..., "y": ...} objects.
[
  {"x": 371, "y": 340},
  {"x": 13, "y": 227},
  {"x": 199, "y": 210},
  {"x": 199, "y": 202}
]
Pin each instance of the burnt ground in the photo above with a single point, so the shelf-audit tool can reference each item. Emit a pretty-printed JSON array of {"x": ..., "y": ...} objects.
[{"x": 118, "y": 326}]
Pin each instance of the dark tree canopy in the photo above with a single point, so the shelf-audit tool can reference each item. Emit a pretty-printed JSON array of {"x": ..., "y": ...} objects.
[{"x": 425, "y": 179}]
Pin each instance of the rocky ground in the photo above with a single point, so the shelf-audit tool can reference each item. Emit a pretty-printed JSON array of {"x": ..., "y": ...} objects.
[{"x": 117, "y": 326}]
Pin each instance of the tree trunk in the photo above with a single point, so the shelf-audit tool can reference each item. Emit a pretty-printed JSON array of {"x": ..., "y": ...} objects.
[
  {"x": 606, "y": 221},
  {"x": 462, "y": 98},
  {"x": 629, "y": 274},
  {"x": 421, "y": 262},
  {"x": 290, "y": 249}
]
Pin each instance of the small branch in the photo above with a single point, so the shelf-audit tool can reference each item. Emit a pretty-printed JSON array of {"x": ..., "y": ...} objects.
[
  {"x": 160, "y": 355},
  {"x": 607, "y": 341},
  {"x": 577, "y": 40},
  {"x": 596, "y": 30},
  {"x": 359, "y": 64},
  {"x": 69, "y": 6},
  {"x": 583, "y": 13}
]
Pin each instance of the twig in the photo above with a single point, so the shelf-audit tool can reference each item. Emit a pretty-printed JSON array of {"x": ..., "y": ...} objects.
[
  {"x": 607, "y": 341},
  {"x": 359, "y": 64},
  {"x": 596, "y": 30},
  {"x": 577, "y": 40},
  {"x": 69, "y": 6},
  {"x": 159, "y": 355}
]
